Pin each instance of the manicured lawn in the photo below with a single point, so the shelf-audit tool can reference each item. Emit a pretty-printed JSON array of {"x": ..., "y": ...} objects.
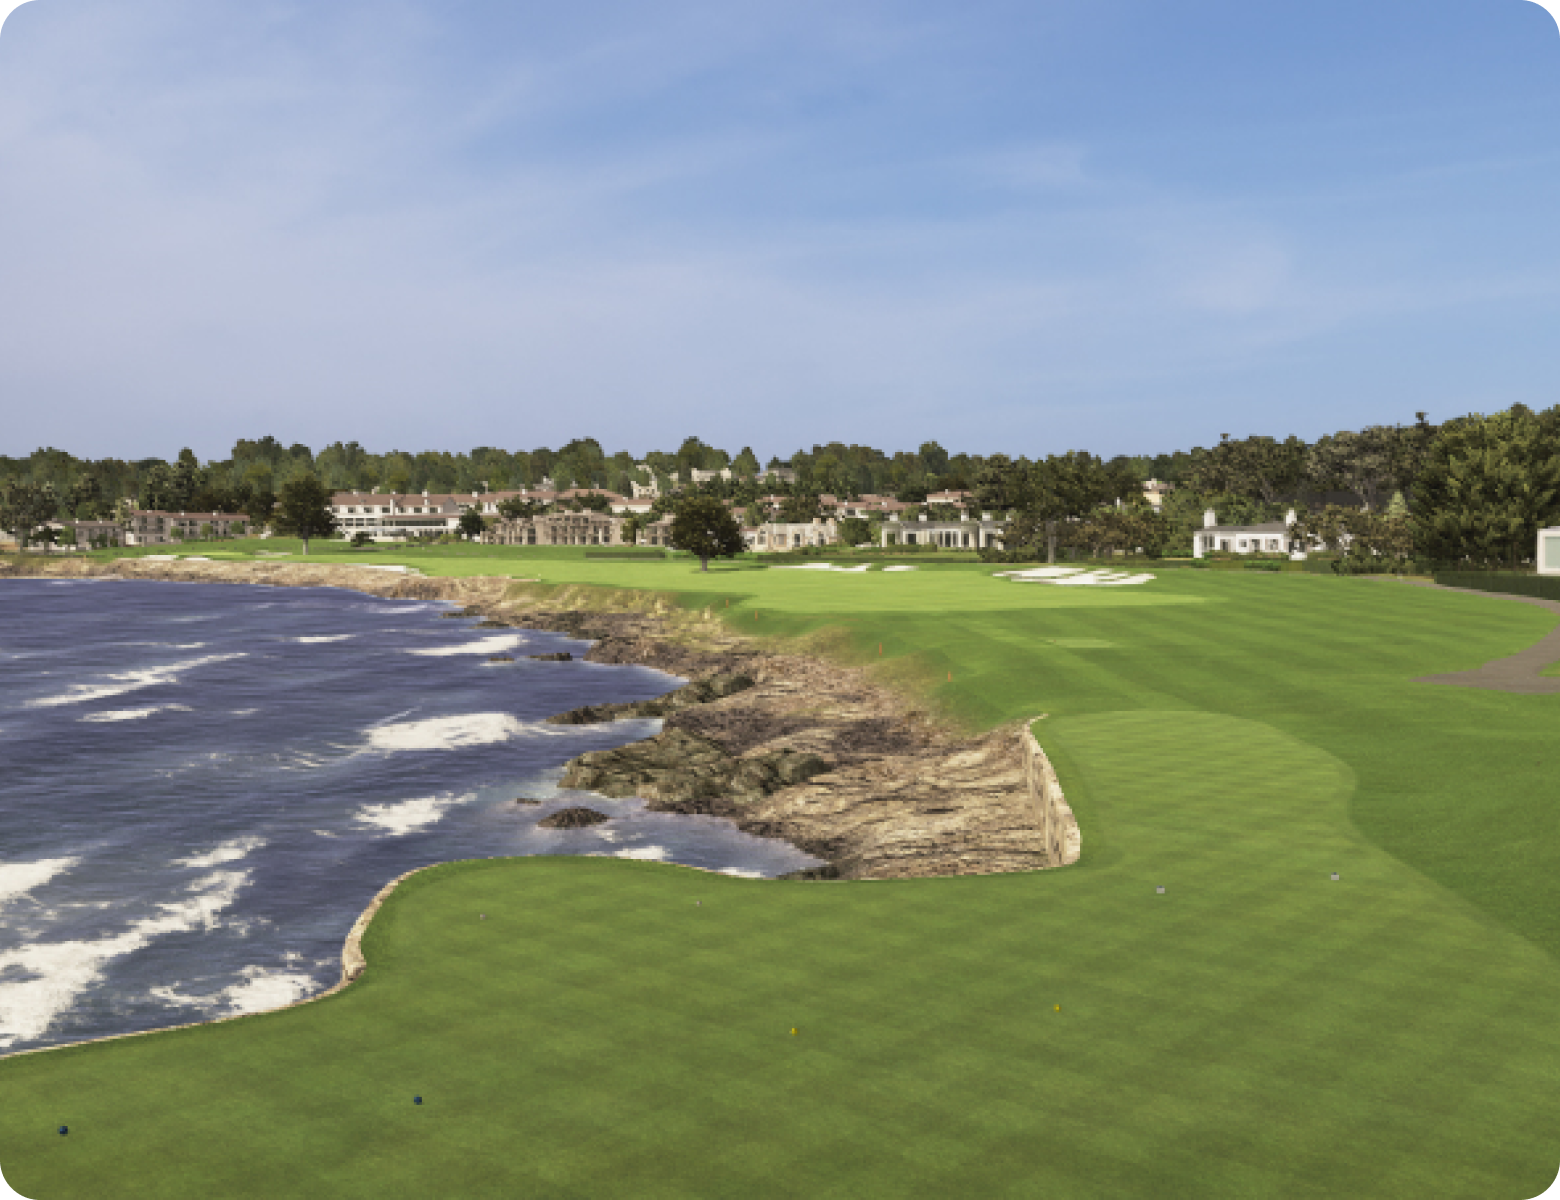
[{"x": 1258, "y": 1030}]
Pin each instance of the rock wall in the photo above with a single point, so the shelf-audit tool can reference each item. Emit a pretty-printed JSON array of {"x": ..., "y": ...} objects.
[{"x": 1063, "y": 842}]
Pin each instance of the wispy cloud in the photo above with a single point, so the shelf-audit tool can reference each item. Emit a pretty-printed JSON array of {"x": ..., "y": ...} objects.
[{"x": 414, "y": 224}]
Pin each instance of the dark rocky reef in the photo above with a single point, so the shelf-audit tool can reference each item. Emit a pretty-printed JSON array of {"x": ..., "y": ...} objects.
[
  {"x": 704, "y": 691},
  {"x": 560, "y": 656},
  {"x": 573, "y": 818}
]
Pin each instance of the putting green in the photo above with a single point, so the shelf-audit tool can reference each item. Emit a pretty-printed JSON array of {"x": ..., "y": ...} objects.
[{"x": 1257, "y": 1030}]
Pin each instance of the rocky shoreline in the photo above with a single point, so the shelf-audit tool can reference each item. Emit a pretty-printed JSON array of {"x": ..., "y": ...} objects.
[{"x": 784, "y": 745}]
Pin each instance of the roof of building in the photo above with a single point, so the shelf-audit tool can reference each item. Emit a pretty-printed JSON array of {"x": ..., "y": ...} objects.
[{"x": 1270, "y": 527}]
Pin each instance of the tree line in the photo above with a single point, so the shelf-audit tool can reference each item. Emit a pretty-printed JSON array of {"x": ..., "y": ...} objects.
[{"x": 1474, "y": 489}]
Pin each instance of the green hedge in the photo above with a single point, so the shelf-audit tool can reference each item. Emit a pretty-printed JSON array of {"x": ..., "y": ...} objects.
[{"x": 1516, "y": 583}]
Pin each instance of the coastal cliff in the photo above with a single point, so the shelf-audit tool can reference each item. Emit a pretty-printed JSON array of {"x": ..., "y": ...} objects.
[{"x": 806, "y": 750}]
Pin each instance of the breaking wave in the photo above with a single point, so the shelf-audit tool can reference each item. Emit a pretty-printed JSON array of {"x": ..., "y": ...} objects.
[
  {"x": 133, "y": 714},
  {"x": 455, "y": 733},
  {"x": 129, "y": 681},
  {"x": 496, "y": 644}
]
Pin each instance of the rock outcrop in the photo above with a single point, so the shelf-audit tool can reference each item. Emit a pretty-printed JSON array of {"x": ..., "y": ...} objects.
[
  {"x": 677, "y": 771},
  {"x": 573, "y": 818},
  {"x": 703, "y": 691}
]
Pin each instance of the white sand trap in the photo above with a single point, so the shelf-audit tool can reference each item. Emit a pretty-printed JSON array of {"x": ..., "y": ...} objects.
[
  {"x": 159, "y": 558},
  {"x": 1103, "y": 579},
  {"x": 195, "y": 558},
  {"x": 1039, "y": 573},
  {"x": 400, "y": 570},
  {"x": 901, "y": 568},
  {"x": 818, "y": 567}
]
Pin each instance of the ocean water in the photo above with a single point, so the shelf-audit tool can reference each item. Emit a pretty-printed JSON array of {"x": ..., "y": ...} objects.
[{"x": 202, "y": 786}]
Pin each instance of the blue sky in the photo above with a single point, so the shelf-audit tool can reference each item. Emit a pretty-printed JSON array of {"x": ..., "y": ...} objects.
[{"x": 1108, "y": 224}]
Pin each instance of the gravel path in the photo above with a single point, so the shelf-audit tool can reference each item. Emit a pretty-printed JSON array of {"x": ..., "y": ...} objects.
[{"x": 1518, "y": 672}]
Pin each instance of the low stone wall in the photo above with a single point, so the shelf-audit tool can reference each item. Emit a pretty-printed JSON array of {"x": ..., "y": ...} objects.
[{"x": 1063, "y": 842}]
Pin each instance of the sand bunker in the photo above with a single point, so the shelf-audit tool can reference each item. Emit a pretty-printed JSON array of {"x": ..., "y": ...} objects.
[
  {"x": 1074, "y": 577},
  {"x": 818, "y": 567}
]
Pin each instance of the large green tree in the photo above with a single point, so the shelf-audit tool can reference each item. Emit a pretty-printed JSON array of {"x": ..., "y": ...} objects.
[
  {"x": 1066, "y": 488},
  {"x": 26, "y": 506},
  {"x": 1486, "y": 487},
  {"x": 704, "y": 527},
  {"x": 1262, "y": 468},
  {"x": 472, "y": 524},
  {"x": 303, "y": 510}
]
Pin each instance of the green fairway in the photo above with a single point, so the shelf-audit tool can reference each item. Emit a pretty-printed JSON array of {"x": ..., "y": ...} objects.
[{"x": 1257, "y": 1030}]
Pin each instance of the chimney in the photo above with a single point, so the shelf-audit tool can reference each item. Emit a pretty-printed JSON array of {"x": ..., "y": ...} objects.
[{"x": 1210, "y": 519}]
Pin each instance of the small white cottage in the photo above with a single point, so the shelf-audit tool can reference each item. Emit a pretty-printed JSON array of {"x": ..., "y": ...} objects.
[{"x": 1274, "y": 537}]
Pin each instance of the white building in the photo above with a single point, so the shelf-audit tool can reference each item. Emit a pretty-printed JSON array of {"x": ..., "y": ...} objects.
[
  {"x": 780, "y": 535},
  {"x": 1273, "y": 537},
  {"x": 968, "y": 534},
  {"x": 1548, "y": 559}
]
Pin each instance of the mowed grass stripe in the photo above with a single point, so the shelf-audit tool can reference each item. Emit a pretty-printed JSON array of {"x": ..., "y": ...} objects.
[{"x": 1259, "y": 1030}]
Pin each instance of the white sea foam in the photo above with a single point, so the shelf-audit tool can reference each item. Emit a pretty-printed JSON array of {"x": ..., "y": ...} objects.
[
  {"x": 130, "y": 681},
  {"x": 455, "y": 733},
  {"x": 133, "y": 714},
  {"x": 489, "y": 645},
  {"x": 408, "y": 816},
  {"x": 17, "y": 879},
  {"x": 320, "y": 639},
  {"x": 225, "y": 853},
  {"x": 741, "y": 873},
  {"x": 46, "y": 977},
  {"x": 645, "y": 853},
  {"x": 259, "y": 990}
]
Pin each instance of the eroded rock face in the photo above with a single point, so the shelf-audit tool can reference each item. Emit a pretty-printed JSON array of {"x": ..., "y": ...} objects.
[
  {"x": 677, "y": 771},
  {"x": 573, "y": 818}
]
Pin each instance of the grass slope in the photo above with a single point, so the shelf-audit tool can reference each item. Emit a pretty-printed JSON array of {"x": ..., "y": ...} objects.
[{"x": 1259, "y": 1030}]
